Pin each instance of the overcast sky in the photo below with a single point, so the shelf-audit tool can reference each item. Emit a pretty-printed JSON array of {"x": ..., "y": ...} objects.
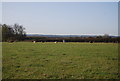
[{"x": 63, "y": 17}]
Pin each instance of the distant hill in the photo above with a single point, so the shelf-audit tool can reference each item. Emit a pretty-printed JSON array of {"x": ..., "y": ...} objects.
[{"x": 41, "y": 35}]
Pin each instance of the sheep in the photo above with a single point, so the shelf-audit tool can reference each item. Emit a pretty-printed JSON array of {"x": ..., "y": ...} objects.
[
  {"x": 63, "y": 41},
  {"x": 55, "y": 42},
  {"x": 34, "y": 41}
]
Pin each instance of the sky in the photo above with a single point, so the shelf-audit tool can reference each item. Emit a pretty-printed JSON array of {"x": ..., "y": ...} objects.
[
  {"x": 71, "y": 18},
  {"x": 0, "y": 12},
  {"x": 59, "y": 0}
]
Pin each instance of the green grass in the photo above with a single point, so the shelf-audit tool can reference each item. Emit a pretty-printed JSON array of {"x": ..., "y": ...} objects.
[{"x": 27, "y": 60}]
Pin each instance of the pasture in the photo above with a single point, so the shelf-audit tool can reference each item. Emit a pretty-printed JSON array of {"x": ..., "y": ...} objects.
[{"x": 27, "y": 60}]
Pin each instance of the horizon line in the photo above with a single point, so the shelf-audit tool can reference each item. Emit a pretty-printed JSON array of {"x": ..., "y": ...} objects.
[{"x": 73, "y": 34}]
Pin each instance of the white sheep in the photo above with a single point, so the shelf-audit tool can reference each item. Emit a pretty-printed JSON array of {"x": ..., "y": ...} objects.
[
  {"x": 34, "y": 41},
  {"x": 55, "y": 42}
]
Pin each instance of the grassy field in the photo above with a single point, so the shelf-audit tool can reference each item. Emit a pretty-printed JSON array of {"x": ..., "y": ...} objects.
[{"x": 27, "y": 60}]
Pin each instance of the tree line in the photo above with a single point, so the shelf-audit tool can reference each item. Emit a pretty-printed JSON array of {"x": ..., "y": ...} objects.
[
  {"x": 75, "y": 39},
  {"x": 14, "y": 32}
]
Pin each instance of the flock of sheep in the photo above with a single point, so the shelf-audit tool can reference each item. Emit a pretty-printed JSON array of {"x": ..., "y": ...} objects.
[{"x": 54, "y": 42}]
